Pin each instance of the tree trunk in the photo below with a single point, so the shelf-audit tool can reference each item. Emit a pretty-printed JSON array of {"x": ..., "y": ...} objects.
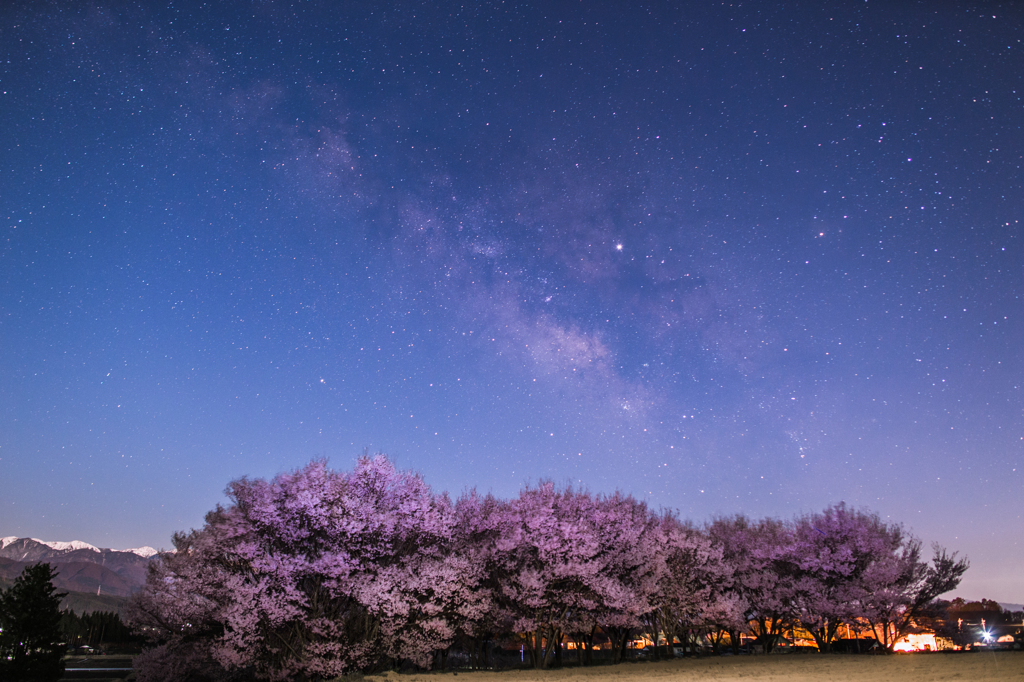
[
  {"x": 655, "y": 621},
  {"x": 889, "y": 635},
  {"x": 671, "y": 634},
  {"x": 820, "y": 639},
  {"x": 542, "y": 646},
  {"x": 769, "y": 633},
  {"x": 734, "y": 641},
  {"x": 716, "y": 637},
  {"x": 550, "y": 645},
  {"x": 533, "y": 639},
  {"x": 584, "y": 643},
  {"x": 617, "y": 636}
]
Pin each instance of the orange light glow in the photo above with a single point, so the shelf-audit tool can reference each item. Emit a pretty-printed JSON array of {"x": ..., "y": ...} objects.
[{"x": 922, "y": 642}]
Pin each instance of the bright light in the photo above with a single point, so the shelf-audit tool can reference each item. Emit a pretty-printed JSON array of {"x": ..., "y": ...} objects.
[{"x": 917, "y": 642}]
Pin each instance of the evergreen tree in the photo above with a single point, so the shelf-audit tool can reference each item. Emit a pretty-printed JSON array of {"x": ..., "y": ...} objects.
[{"x": 30, "y": 635}]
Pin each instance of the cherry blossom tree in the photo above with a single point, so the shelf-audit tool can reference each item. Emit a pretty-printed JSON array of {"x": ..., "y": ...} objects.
[
  {"x": 319, "y": 573},
  {"x": 762, "y": 587},
  {"x": 547, "y": 565},
  {"x": 694, "y": 589},
  {"x": 632, "y": 544},
  {"x": 314, "y": 574},
  {"x": 684, "y": 585},
  {"x": 831, "y": 553},
  {"x": 903, "y": 586},
  {"x": 565, "y": 562},
  {"x": 180, "y": 606},
  {"x": 477, "y": 622}
]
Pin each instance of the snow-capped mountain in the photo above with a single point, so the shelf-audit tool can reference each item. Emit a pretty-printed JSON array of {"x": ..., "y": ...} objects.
[
  {"x": 80, "y": 567},
  {"x": 68, "y": 546},
  {"x": 145, "y": 552}
]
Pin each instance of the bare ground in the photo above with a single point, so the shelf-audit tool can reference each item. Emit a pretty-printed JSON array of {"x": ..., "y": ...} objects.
[{"x": 973, "y": 667}]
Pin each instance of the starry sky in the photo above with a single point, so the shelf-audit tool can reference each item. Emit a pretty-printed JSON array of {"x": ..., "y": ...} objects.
[{"x": 727, "y": 257}]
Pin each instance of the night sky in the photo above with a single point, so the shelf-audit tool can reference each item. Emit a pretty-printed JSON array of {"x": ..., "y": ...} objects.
[{"x": 727, "y": 257}]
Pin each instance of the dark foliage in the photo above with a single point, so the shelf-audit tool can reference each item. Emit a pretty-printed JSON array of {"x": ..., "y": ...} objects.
[
  {"x": 96, "y": 629},
  {"x": 31, "y": 647}
]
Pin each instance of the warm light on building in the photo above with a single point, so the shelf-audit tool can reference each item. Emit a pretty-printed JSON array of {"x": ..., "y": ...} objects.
[{"x": 921, "y": 642}]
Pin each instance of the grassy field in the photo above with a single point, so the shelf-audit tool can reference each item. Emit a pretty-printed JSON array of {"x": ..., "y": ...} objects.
[
  {"x": 975, "y": 667},
  {"x": 972, "y": 667}
]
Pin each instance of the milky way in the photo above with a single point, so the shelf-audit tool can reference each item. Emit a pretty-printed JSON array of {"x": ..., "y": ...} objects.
[{"x": 755, "y": 258}]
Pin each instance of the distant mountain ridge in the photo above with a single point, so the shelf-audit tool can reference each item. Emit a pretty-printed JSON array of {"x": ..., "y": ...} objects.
[
  {"x": 74, "y": 545},
  {"x": 80, "y": 567}
]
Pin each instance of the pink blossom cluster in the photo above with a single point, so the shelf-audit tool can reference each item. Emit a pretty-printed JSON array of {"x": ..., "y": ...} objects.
[
  {"x": 823, "y": 570},
  {"x": 319, "y": 573}
]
